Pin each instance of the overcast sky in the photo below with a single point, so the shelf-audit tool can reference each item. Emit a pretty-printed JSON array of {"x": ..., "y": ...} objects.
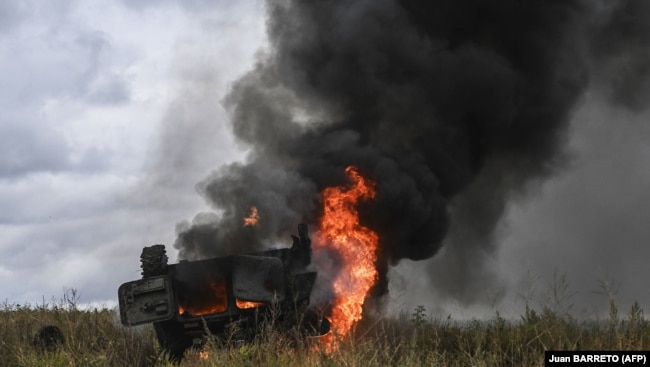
[{"x": 111, "y": 114}]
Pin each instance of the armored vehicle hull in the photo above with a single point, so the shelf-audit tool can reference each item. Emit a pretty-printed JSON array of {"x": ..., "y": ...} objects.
[{"x": 226, "y": 297}]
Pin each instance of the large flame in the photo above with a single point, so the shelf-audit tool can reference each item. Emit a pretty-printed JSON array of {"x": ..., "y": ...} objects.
[{"x": 356, "y": 245}]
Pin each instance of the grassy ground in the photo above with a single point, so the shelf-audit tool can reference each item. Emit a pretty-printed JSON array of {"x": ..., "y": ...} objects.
[{"x": 95, "y": 338}]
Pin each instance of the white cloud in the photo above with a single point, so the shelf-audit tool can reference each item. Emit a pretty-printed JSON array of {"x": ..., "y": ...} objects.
[{"x": 103, "y": 103}]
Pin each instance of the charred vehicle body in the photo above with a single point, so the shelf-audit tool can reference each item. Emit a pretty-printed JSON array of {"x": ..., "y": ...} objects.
[{"x": 224, "y": 297}]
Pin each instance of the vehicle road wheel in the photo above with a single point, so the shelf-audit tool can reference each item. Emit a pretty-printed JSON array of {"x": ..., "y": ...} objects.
[
  {"x": 154, "y": 260},
  {"x": 48, "y": 339}
]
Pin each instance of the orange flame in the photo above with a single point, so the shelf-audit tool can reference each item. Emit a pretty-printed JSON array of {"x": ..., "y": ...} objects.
[
  {"x": 214, "y": 299},
  {"x": 242, "y": 305},
  {"x": 252, "y": 218},
  {"x": 357, "y": 246}
]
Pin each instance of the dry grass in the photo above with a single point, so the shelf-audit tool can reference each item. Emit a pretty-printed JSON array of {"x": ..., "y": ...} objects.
[{"x": 95, "y": 338}]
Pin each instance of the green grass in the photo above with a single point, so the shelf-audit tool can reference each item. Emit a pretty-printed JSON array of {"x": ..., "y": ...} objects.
[{"x": 95, "y": 338}]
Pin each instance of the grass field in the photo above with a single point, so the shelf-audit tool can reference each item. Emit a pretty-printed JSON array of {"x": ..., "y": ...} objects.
[{"x": 95, "y": 338}]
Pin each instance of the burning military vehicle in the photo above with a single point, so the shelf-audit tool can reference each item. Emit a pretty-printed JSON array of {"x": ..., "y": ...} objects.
[{"x": 227, "y": 296}]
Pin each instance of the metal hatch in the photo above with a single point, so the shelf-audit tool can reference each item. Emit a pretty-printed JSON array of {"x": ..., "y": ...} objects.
[
  {"x": 146, "y": 300},
  {"x": 258, "y": 278}
]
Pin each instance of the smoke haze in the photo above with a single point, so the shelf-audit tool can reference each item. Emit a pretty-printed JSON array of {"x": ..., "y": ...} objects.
[{"x": 452, "y": 107}]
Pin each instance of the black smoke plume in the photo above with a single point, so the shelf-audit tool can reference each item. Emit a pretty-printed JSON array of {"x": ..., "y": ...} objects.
[{"x": 452, "y": 107}]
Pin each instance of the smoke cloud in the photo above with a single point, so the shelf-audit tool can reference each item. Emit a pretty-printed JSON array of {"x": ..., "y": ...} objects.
[{"x": 452, "y": 107}]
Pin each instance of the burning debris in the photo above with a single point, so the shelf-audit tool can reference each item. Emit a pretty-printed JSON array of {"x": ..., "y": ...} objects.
[
  {"x": 446, "y": 107},
  {"x": 252, "y": 218}
]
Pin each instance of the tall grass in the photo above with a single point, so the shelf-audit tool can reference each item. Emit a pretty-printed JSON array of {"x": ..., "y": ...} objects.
[
  {"x": 95, "y": 338},
  {"x": 92, "y": 337}
]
